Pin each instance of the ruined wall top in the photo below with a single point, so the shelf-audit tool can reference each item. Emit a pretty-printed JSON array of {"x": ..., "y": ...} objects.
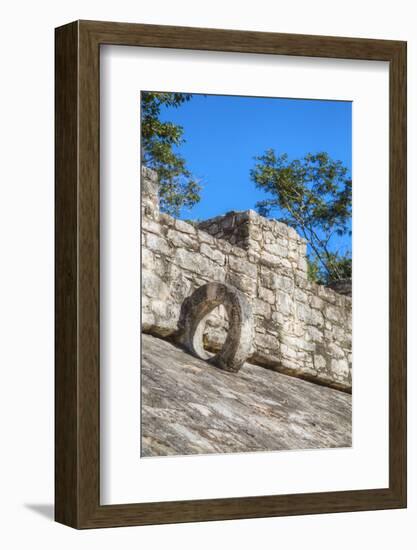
[{"x": 276, "y": 243}]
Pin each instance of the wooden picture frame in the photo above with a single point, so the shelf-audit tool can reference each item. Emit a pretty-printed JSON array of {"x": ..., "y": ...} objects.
[{"x": 77, "y": 405}]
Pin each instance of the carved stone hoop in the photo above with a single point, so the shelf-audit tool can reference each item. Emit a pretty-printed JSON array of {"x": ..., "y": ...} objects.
[{"x": 238, "y": 343}]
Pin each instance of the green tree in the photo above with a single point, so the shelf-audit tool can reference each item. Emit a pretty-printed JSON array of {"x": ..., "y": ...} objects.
[
  {"x": 314, "y": 196},
  {"x": 177, "y": 187}
]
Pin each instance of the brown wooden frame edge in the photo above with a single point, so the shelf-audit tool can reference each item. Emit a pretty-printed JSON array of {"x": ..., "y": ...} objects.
[{"x": 77, "y": 376}]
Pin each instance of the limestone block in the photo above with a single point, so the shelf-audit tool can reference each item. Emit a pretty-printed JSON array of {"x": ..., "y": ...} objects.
[
  {"x": 299, "y": 329},
  {"x": 148, "y": 321},
  {"x": 333, "y": 314},
  {"x": 272, "y": 260},
  {"x": 327, "y": 294},
  {"x": 204, "y": 237},
  {"x": 316, "y": 318},
  {"x": 303, "y": 312},
  {"x": 213, "y": 254},
  {"x": 180, "y": 286},
  {"x": 340, "y": 367},
  {"x": 288, "y": 352},
  {"x": 267, "y": 342},
  {"x": 285, "y": 304},
  {"x": 159, "y": 308},
  {"x": 276, "y": 249},
  {"x": 291, "y": 341},
  {"x": 280, "y": 320},
  {"x": 242, "y": 266},
  {"x": 158, "y": 244},
  {"x": 254, "y": 246},
  {"x": 302, "y": 274},
  {"x": 151, "y": 225},
  {"x": 153, "y": 286},
  {"x": 306, "y": 346},
  {"x": 301, "y": 295},
  {"x": 191, "y": 261},
  {"x": 314, "y": 334},
  {"x": 242, "y": 282},
  {"x": 302, "y": 264},
  {"x": 317, "y": 303},
  {"x": 266, "y": 295},
  {"x": 335, "y": 351},
  {"x": 254, "y": 233},
  {"x": 185, "y": 227},
  {"x": 185, "y": 240},
  {"x": 319, "y": 362},
  {"x": 261, "y": 308},
  {"x": 148, "y": 261},
  {"x": 253, "y": 257},
  {"x": 268, "y": 237}
]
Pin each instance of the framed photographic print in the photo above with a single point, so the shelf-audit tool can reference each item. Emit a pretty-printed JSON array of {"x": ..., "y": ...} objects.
[{"x": 230, "y": 274}]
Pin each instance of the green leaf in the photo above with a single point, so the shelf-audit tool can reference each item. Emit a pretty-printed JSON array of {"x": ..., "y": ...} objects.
[
  {"x": 177, "y": 187},
  {"x": 314, "y": 195}
]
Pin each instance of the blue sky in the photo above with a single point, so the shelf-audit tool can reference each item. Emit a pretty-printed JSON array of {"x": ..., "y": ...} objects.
[{"x": 224, "y": 133}]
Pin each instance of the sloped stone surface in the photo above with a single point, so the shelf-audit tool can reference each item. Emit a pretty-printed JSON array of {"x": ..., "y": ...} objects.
[{"x": 192, "y": 407}]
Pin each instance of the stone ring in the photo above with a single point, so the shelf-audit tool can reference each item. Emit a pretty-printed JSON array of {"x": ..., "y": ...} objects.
[{"x": 238, "y": 344}]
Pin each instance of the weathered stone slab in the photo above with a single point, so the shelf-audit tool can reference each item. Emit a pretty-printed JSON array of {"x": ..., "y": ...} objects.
[{"x": 191, "y": 407}]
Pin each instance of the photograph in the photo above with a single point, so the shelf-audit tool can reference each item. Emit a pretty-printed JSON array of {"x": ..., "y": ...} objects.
[
  {"x": 208, "y": 263},
  {"x": 246, "y": 273}
]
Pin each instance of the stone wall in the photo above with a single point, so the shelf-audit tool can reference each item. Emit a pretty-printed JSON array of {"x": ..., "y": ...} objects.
[{"x": 301, "y": 328}]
